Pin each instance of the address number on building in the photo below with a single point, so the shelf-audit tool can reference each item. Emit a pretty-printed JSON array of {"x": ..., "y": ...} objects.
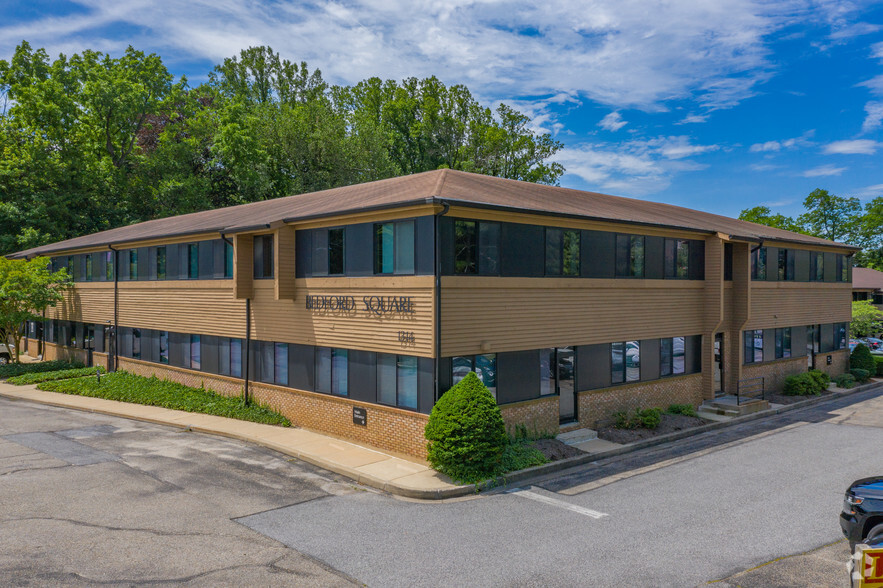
[{"x": 407, "y": 338}]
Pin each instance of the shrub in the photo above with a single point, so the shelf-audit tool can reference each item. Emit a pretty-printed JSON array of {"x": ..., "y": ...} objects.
[
  {"x": 466, "y": 432},
  {"x": 822, "y": 379},
  {"x": 16, "y": 369},
  {"x": 805, "y": 384},
  {"x": 845, "y": 380},
  {"x": 647, "y": 418},
  {"x": 862, "y": 359},
  {"x": 519, "y": 455},
  {"x": 878, "y": 359},
  {"x": 684, "y": 409},
  {"x": 860, "y": 375},
  {"x": 51, "y": 376}
]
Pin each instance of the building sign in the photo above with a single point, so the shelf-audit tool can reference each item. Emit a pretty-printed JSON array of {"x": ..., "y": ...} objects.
[
  {"x": 360, "y": 416},
  {"x": 373, "y": 305}
]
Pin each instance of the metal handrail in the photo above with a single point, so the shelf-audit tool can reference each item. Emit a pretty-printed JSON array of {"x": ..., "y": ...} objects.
[{"x": 749, "y": 389}]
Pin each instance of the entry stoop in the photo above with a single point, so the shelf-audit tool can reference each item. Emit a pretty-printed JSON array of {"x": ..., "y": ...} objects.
[
  {"x": 730, "y": 407},
  {"x": 577, "y": 436}
]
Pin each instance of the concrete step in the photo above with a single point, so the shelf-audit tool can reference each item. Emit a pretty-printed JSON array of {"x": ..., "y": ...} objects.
[
  {"x": 577, "y": 436},
  {"x": 728, "y": 407},
  {"x": 713, "y": 416}
]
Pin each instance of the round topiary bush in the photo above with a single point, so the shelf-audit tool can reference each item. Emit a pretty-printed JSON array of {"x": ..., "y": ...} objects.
[
  {"x": 862, "y": 359},
  {"x": 466, "y": 432}
]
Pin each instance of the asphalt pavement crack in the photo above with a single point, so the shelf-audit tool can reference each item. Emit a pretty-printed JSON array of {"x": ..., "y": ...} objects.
[{"x": 105, "y": 527}]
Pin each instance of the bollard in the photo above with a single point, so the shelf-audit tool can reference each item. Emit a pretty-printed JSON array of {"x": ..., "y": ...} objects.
[{"x": 98, "y": 375}]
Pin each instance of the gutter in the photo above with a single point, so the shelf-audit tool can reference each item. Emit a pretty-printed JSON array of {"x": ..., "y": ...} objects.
[
  {"x": 247, "y": 332},
  {"x": 437, "y": 238},
  {"x": 116, "y": 308}
]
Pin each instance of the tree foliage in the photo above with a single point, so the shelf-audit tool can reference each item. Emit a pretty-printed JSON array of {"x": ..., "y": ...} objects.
[
  {"x": 27, "y": 288},
  {"x": 93, "y": 142},
  {"x": 866, "y": 319}
]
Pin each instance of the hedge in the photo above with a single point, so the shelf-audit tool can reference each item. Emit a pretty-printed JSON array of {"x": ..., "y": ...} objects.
[{"x": 11, "y": 370}]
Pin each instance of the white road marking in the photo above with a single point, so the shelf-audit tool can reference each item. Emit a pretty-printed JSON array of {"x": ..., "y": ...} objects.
[{"x": 555, "y": 502}]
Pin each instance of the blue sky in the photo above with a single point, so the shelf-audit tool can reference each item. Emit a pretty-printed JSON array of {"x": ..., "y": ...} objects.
[{"x": 718, "y": 105}]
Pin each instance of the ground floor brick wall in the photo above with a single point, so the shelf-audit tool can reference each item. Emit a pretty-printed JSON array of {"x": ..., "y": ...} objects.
[
  {"x": 51, "y": 351},
  {"x": 539, "y": 416},
  {"x": 775, "y": 372},
  {"x": 596, "y": 407},
  {"x": 390, "y": 429},
  {"x": 839, "y": 362}
]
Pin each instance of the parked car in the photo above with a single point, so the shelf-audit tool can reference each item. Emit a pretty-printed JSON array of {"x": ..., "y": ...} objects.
[
  {"x": 862, "y": 516},
  {"x": 869, "y": 343},
  {"x": 852, "y": 344},
  {"x": 877, "y": 343},
  {"x": 5, "y": 354}
]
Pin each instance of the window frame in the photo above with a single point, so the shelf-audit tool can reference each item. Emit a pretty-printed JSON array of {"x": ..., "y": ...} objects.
[
  {"x": 397, "y": 241},
  {"x": 674, "y": 269},
  {"x": 400, "y": 397},
  {"x": 629, "y": 263},
  {"x": 751, "y": 358}
]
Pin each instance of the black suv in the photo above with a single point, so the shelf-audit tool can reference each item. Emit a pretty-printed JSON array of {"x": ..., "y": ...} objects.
[{"x": 862, "y": 515}]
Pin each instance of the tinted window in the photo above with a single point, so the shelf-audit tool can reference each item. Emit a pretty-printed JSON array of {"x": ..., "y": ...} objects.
[
  {"x": 629, "y": 256},
  {"x": 465, "y": 240},
  {"x": 336, "y": 251}
]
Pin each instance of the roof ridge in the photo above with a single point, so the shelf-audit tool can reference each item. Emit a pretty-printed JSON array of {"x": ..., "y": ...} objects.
[{"x": 440, "y": 182}]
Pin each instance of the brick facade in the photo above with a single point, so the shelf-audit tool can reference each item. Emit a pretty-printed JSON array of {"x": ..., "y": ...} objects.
[
  {"x": 538, "y": 416},
  {"x": 839, "y": 362},
  {"x": 774, "y": 372},
  {"x": 598, "y": 406}
]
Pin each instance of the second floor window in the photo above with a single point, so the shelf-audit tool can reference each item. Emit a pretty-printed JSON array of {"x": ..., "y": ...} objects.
[
  {"x": 394, "y": 247},
  {"x": 758, "y": 264},
  {"x": 562, "y": 252},
  {"x": 160, "y": 263},
  {"x": 629, "y": 256},
  {"x": 328, "y": 252},
  {"x": 785, "y": 266},
  {"x": 677, "y": 258},
  {"x": 263, "y": 256},
  {"x": 133, "y": 264},
  {"x": 816, "y": 266}
]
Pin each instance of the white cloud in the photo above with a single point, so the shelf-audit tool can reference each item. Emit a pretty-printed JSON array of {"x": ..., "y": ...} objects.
[
  {"x": 764, "y": 167},
  {"x": 622, "y": 54},
  {"x": 877, "y": 50},
  {"x": 852, "y": 147},
  {"x": 875, "y": 85},
  {"x": 612, "y": 122},
  {"x": 693, "y": 118},
  {"x": 823, "y": 170},
  {"x": 775, "y": 146},
  {"x": 874, "y": 117},
  {"x": 633, "y": 168},
  {"x": 868, "y": 192}
]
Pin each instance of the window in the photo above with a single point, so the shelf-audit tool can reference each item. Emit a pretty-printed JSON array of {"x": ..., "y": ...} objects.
[
  {"x": 108, "y": 267},
  {"x": 263, "y": 257},
  {"x": 671, "y": 356},
  {"x": 783, "y": 343},
  {"x": 465, "y": 247},
  {"x": 230, "y": 357},
  {"x": 193, "y": 261},
  {"x": 394, "y": 247},
  {"x": 136, "y": 343},
  {"x": 547, "y": 373},
  {"x": 228, "y": 260},
  {"x": 842, "y": 268},
  {"x": 562, "y": 252},
  {"x": 331, "y": 371},
  {"x": 484, "y": 366},
  {"x": 70, "y": 268},
  {"x": 336, "y": 252},
  {"x": 816, "y": 266},
  {"x": 785, "y": 265},
  {"x": 629, "y": 256},
  {"x": 753, "y": 346},
  {"x": 133, "y": 264},
  {"x": 556, "y": 370},
  {"x": 161, "y": 263},
  {"x": 840, "y": 335},
  {"x": 87, "y": 263},
  {"x": 195, "y": 353},
  {"x": 488, "y": 248},
  {"x": 758, "y": 264},
  {"x": 397, "y": 380},
  {"x": 677, "y": 258},
  {"x": 728, "y": 261},
  {"x": 280, "y": 364},
  {"x": 625, "y": 361},
  {"x": 164, "y": 347}
]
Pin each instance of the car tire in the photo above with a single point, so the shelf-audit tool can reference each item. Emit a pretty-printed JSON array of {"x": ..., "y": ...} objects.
[
  {"x": 4, "y": 359},
  {"x": 876, "y": 531}
]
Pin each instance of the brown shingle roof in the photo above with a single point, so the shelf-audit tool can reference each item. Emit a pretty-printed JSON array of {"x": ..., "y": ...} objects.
[
  {"x": 454, "y": 187},
  {"x": 864, "y": 278}
]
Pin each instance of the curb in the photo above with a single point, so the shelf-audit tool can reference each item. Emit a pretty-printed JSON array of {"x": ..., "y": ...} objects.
[{"x": 460, "y": 491}]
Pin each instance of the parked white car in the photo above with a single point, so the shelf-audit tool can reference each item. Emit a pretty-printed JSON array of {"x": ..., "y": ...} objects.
[{"x": 5, "y": 354}]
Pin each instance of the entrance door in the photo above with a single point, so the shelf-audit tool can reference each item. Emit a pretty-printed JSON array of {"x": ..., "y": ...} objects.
[
  {"x": 564, "y": 359},
  {"x": 719, "y": 364}
]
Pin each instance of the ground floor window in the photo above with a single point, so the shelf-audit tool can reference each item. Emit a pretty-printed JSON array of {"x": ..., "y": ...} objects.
[
  {"x": 195, "y": 352},
  {"x": 556, "y": 370},
  {"x": 625, "y": 361},
  {"x": 753, "y": 344},
  {"x": 331, "y": 371},
  {"x": 164, "y": 347},
  {"x": 397, "y": 380},
  {"x": 484, "y": 366},
  {"x": 671, "y": 356},
  {"x": 783, "y": 343}
]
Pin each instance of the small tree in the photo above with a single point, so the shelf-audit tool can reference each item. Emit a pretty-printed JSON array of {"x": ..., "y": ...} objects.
[
  {"x": 466, "y": 432},
  {"x": 27, "y": 288},
  {"x": 866, "y": 319},
  {"x": 861, "y": 358}
]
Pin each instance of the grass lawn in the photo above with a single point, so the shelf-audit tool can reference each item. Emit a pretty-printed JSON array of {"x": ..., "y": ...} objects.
[
  {"x": 36, "y": 378},
  {"x": 11, "y": 370},
  {"x": 127, "y": 387}
]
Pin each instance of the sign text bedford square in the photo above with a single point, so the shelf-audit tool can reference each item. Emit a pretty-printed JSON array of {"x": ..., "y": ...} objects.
[{"x": 376, "y": 305}]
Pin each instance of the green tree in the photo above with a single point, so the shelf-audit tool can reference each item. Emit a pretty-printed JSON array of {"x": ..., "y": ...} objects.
[
  {"x": 27, "y": 288},
  {"x": 866, "y": 319},
  {"x": 831, "y": 217},
  {"x": 762, "y": 215}
]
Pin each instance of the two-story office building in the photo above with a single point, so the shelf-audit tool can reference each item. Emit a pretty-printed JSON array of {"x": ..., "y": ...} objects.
[{"x": 352, "y": 310}]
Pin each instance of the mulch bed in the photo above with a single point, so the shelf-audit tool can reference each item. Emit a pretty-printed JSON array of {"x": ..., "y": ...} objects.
[
  {"x": 555, "y": 450},
  {"x": 669, "y": 424}
]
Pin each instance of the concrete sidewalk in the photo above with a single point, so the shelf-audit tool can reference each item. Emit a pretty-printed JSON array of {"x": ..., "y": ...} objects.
[{"x": 411, "y": 478}]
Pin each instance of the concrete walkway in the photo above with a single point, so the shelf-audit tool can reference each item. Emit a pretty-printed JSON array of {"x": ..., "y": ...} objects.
[{"x": 405, "y": 477}]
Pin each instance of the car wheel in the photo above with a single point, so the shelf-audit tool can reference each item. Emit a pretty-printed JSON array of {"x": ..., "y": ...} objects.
[
  {"x": 4, "y": 359},
  {"x": 876, "y": 531}
]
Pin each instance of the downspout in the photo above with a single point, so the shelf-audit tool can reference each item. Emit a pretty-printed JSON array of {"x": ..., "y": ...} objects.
[
  {"x": 437, "y": 361},
  {"x": 116, "y": 307},
  {"x": 247, "y": 334}
]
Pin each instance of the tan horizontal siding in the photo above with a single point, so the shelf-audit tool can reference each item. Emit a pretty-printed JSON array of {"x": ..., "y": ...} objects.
[
  {"x": 792, "y": 303},
  {"x": 511, "y": 314}
]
